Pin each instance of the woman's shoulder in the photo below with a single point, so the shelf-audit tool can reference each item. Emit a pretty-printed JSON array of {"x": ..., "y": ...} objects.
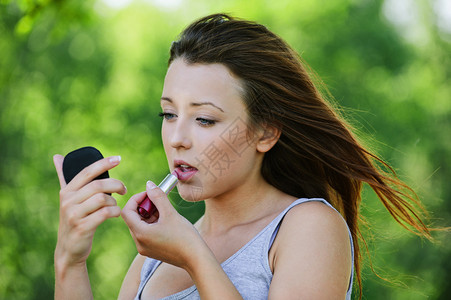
[
  {"x": 313, "y": 247},
  {"x": 314, "y": 220},
  {"x": 304, "y": 211}
]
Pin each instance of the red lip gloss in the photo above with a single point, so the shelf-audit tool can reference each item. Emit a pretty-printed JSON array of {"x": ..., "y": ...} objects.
[{"x": 146, "y": 208}]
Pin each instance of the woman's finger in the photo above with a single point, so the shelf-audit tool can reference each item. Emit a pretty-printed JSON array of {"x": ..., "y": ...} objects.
[
  {"x": 58, "y": 162},
  {"x": 92, "y": 221},
  {"x": 159, "y": 199},
  {"x": 95, "y": 203},
  {"x": 107, "y": 186},
  {"x": 129, "y": 212},
  {"x": 131, "y": 217},
  {"x": 89, "y": 173}
]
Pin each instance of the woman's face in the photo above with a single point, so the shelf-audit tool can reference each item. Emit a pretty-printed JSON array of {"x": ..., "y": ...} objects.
[{"x": 204, "y": 130}]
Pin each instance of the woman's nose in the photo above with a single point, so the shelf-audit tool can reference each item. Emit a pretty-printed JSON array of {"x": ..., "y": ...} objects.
[{"x": 181, "y": 137}]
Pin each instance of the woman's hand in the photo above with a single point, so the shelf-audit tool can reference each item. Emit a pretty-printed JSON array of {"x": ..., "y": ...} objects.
[
  {"x": 169, "y": 237},
  {"x": 84, "y": 205},
  {"x": 166, "y": 235}
]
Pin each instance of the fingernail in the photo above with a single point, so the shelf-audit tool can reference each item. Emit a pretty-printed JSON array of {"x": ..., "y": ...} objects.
[
  {"x": 151, "y": 185},
  {"x": 115, "y": 160}
]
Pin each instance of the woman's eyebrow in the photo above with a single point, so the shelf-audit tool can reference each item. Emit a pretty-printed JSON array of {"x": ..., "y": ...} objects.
[
  {"x": 195, "y": 103},
  {"x": 206, "y": 103}
]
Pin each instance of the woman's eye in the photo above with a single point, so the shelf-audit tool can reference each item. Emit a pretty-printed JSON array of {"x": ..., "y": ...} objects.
[
  {"x": 205, "y": 122},
  {"x": 167, "y": 116}
]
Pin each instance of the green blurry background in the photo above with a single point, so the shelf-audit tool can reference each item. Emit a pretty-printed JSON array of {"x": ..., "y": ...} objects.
[{"x": 77, "y": 73}]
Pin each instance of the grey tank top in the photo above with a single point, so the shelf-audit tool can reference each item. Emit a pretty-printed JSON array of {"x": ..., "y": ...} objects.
[{"x": 248, "y": 268}]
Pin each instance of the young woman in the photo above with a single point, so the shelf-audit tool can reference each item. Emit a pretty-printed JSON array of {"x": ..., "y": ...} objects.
[{"x": 247, "y": 132}]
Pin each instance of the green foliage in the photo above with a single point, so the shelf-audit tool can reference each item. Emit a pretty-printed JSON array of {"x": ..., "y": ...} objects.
[{"x": 82, "y": 73}]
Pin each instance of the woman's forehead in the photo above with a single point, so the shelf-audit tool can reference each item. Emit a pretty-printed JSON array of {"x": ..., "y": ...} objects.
[{"x": 206, "y": 82}]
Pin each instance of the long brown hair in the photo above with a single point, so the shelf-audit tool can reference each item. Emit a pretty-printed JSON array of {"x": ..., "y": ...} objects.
[{"x": 317, "y": 154}]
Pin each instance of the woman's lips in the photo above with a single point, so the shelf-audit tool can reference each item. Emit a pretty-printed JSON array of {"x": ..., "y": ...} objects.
[{"x": 185, "y": 172}]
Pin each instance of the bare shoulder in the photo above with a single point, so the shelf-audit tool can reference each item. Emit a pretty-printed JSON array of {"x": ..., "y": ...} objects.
[
  {"x": 311, "y": 255},
  {"x": 315, "y": 217}
]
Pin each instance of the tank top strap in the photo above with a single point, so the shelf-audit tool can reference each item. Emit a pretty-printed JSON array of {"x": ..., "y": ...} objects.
[{"x": 275, "y": 224}]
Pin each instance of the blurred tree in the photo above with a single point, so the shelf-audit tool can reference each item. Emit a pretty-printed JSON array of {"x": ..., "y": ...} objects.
[{"x": 75, "y": 74}]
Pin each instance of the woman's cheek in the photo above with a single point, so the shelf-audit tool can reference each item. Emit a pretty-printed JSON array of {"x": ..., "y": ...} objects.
[{"x": 215, "y": 160}]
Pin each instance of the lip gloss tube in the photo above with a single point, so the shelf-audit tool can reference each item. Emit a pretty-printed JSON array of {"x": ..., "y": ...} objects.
[{"x": 146, "y": 208}]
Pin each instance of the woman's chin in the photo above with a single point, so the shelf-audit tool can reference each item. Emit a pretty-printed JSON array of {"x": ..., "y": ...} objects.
[{"x": 191, "y": 193}]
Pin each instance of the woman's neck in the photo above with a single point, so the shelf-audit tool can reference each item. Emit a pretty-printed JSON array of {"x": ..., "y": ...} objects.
[{"x": 248, "y": 203}]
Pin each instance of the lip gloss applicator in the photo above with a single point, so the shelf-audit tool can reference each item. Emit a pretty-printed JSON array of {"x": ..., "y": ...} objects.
[{"x": 146, "y": 208}]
